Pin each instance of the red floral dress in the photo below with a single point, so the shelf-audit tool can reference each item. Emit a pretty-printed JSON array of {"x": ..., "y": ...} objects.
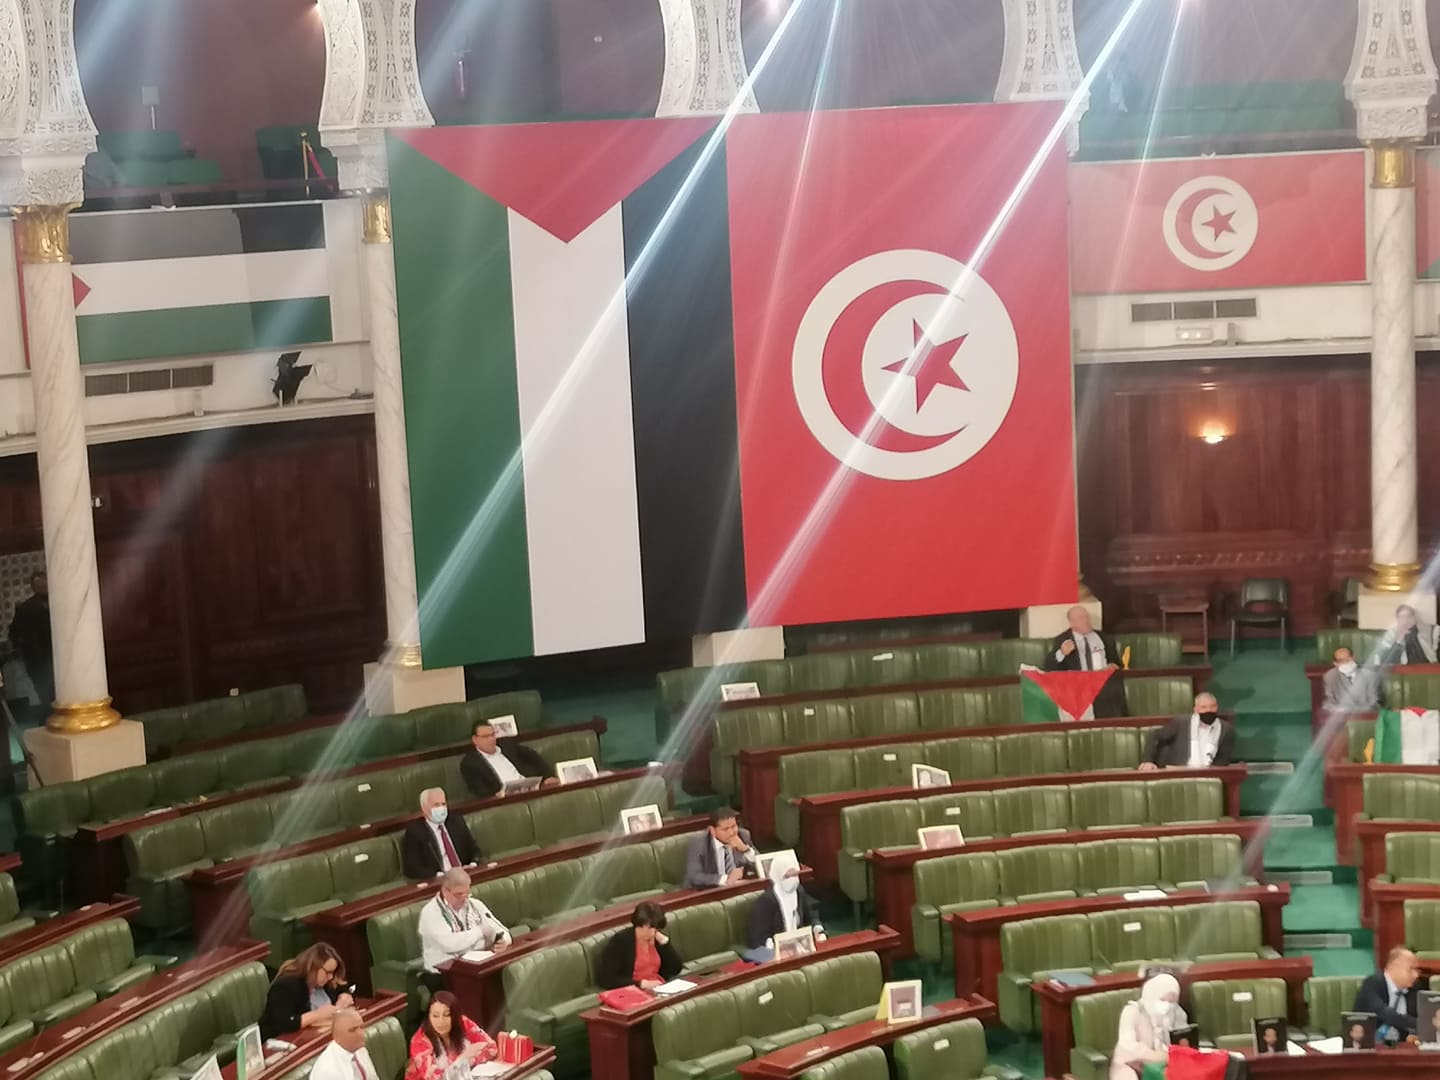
[{"x": 425, "y": 1065}]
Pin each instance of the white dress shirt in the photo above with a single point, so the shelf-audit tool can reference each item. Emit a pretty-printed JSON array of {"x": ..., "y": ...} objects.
[
  {"x": 446, "y": 933},
  {"x": 504, "y": 770},
  {"x": 1091, "y": 649},
  {"x": 337, "y": 1063},
  {"x": 738, "y": 859},
  {"x": 1204, "y": 742}
]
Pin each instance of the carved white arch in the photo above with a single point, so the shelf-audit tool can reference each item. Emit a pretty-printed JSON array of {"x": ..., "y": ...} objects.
[
  {"x": 1392, "y": 73},
  {"x": 705, "y": 70},
  {"x": 1041, "y": 60}
]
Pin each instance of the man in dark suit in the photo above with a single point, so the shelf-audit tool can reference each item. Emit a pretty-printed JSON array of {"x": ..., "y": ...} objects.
[
  {"x": 1198, "y": 741},
  {"x": 30, "y": 634},
  {"x": 1391, "y": 996},
  {"x": 491, "y": 762},
  {"x": 721, "y": 855},
  {"x": 437, "y": 842},
  {"x": 1083, "y": 648}
]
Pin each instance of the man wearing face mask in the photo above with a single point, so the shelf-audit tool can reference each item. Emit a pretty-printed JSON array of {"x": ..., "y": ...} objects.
[
  {"x": 436, "y": 842},
  {"x": 1350, "y": 686},
  {"x": 1198, "y": 741}
]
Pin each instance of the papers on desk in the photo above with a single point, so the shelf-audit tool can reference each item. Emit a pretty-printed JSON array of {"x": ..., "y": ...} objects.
[
  {"x": 1146, "y": 894},
  {"x": 675, "y": 986},
  {"x": 477, "y": 955},
  {"x": 1294, "y": 1049},
  {"x": 491, "y": 1068},
  {"x": 1327, "y": 1046}
]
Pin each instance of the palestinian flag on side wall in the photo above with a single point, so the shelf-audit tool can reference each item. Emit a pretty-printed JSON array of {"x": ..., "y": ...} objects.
[
  {"x": 1407, "y": 737},
  {"x": 1050, "y": 696}
]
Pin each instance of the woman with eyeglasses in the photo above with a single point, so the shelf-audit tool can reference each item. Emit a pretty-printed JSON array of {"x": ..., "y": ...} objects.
[{"x": 306, "y": 992}]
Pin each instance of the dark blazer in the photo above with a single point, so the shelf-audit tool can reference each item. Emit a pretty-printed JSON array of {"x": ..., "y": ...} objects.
[
  {"x": 700, "y": 869},
  {"x": 420, "y": 854},
  {"x": 1072, "y": 662},
  {"x": 1374, "y": 997},
  {"x": 480, "y": 778},
  {"x": 766, "y": 919},
  {"x": 286, "y": 1002},
  {"x": 617, "y": 961},
  {"x": 1170, "y": 745}
]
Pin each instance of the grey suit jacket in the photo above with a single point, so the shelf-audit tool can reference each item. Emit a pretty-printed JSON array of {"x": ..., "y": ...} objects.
[
  {"x": 1360, "y": 694},
  {"x": 701, "y": 872}
]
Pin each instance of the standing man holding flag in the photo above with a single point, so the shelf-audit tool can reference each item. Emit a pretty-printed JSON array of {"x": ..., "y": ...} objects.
[{"x": 1083, "y": 648}]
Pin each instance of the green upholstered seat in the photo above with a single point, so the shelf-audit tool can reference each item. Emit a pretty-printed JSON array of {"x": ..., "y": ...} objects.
[
  {"x": 1226, "y": 1010},
  {"x": 1189, "y": 862},
  {"x": 752, "y": 729},
  {"x": 124, "y": 793},
  {"x": 1158, "y": 695},
  {"x": 566, "y": 745},
  {"x": 366, "y": 867},
  {"x": 821, "y": 721},
  {"x": 11, "y": 921},
  {"x": 1110, "y": 805},
  {"x": 981, "y": 706},
  {"x": 1118, "y": 866},
  {"x": 1412, "y": 858},
  {"x": 1401, "y": 797},
  {"x": 1408, "y": 689},
  {"x": 973, "y": 811},
  {"x": 260, "y": 762},
  {"x": 1043, "y": 872},
  {"x": 698, "y": 1038},
  {"x": 1125, "y": 940},
  {"x": 524, "y": 705},
  {"x": 1032, "y": 948},
  {"x": 968, "y": 757},
  {"x": 372, "y": 797},
  {"x": 1422, "y": 928},
  {"x": 552, "y": 890},
  {"x": 1173, "y": 802},
  {"x": 775, "y": 1012},
  {"x": 844, "y": 990},
  {"x": 1225, "y": 930},
  {"x": 104, "y": 958},
  {"x": 885, "y": 766},
  {"x": 823, "y": 672},
  {"x": 545, "y": 993},
  {"x": 44, "y": 986},
  {"x": 1328, "y": 997},
  {"x": 892, "y": 823},
  {"x": 950, "y": 883},
  {"x": 186, "y": 778},
  {"x": 944, "y": 662},
  {"x": 1361, "y": 643},
  {"x": 372, "y": 738},
  {"x": 867, "y": 1063},
  {"x": 954, "y": 1050},
  {"x": 1096, "y": 1018},
  {"x": 442, "y": 725},
  {"x": 884, "y": 714},
  {"x": 811, "y": 773},
  {"x": 503, "y": 830},
  {"x": 238, "y": 830},
  {"x": 1005, "y": 657},
  {"x": 704, "y": 937},
  {"x": 157, "y": 859},
  {"x": 1031, "y": 753},
  {"x": 1149, "y": 650},
  {"x": 622, "y": 875},
  {"x": 562, "y": 815},
  {"x": 652, "y": 788},
  {"x": 1092, "y": 749},
  {"x": 273, "y": 706},
  {"x": 313, "y": 810},
  {"x": 1024, "y": 810},
  {"x": 282, "y": 894}
]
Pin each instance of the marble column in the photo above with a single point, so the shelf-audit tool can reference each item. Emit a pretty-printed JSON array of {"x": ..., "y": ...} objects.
[
  {"x": 82, "y": 698},
  {"x": 705, "y": 70}
]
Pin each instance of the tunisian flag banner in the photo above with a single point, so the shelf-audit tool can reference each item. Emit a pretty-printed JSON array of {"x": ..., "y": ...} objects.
[
  {"x": 902, "y": 361},
  {"x": 1218, "y": 223}
]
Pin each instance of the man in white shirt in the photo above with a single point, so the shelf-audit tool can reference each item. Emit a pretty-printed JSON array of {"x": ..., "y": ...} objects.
[
  {"x": 454, "y": 923},
  {"x": 346, "y": 1057},
  {"x": 1198, "y": 741},
  {"x": 492, "y": 762}
]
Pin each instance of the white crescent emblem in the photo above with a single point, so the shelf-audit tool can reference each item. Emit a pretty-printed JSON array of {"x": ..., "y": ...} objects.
[{"x": 1210, "y": 223}]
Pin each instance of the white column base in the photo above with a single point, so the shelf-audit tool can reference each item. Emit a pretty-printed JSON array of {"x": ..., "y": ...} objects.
[
  {"x": 1048, "y": 620},
  {"x": 391, "y": 689},
  {"x": 737, "y": 646},
  {"x": 60, "y": 758},
  {"x": 1377, "y": 607}
]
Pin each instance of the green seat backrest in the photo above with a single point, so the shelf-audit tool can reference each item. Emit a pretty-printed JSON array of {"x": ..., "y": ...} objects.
[
  {"x": 1032, "y": 809},
  {"x": 1158, "y": 695},
  {"x": 241, "y": 828},
  {"x": 1109, "y": 805},
  {"x": 442, "y": 725},
  {"x": 808, "y": 722},
  {"x": 373, "y": 738},
  {"x": 620, "y": 871},
  {"x": 884, "y": 714},
  {"x": 737, "y": 913},
  {"x": 957, "y": 879},
  {"x": 1095, "y": 748},
  {"x": 892, "y": 823},
  {"x": 1328, "y": 997},
  {"x": 394, "y": 935},
  {"x": 151, "y": 851},
  {"x": 612, "y": 798},
  {"x": 1148, "y": 650},
  {"x": 1044, "y": 868},
  {"x": 1122, "y": 938},
  {"x": 1096, "y": 1018},
  {"x": 183, "y": 1028},
  {"x": 888, "y": 666},
  {"x": 257, "y": 762},
  {"x": 312, "y": 810},
  {"x": 502, "y": 829},
  {"x": 40, "y": 978},
  {"x": 101, "y": 951},
  {"x": 365, "y": 867},
  {"x": 1173, "y": 801},
  {"x": 388, "y": 1047},
  {"x": 844, "y": 983},
  {"x": 1227, "y": 926},
  {"x": 1358, "y": 734},
  {"x": 545, "y": 890},
  {"x": 139, "y": 144},
  {"x": 501, "y": 896},
  {"x": 562, "y": 814},
  {"x": 1056, "y": 943},
  {"x": 1111, "y": 864},
  {"x": 1402, "y": 797},
  {"x": 237, "y": 997},
  {"x": 217, "y": 718},
  {"x": 186, "y": 778},
  {"x": 696, "y": 1026},
  {"x": 670, "y": 852},
  {"x": 165, "y": 729},
  {"x": 1422, "y": 925},
  {"x": 885, "y": 766},
  {"x": 1031, "y": 753},
  {"x": 964, "y": 757},
  {"x": 941, "y": 663},
  {"x": 700, "y": 930},
  {"x": 1413, "y": 857},
  {"x": 435, "y": 772},
  {"x": 954, "y": 1050},
  {"x": 9, "y": 904},
  {"x": 54, "y": 810},
  {"x": 567, "y": 746},
  {"x": 980, "y": 706},
  {"x": 274, "y": 705},
  {"x": 279, "y": 887},
  {"x": 372, "y": 797},
  {"x": 128, "y": 1051},
  {"x": 973, "y": 811},
  {"x": 778, "y": 1003},
  {"x": 1190, "y": 859},
  {"x": 1005, "y": 657},
  {"x": 1411, "y": 690},
  {"x": 867, "y": 1063},
  {"x": 1362, "y": 643},
  {"x": 543, "y": 978},
  {"x": 752, "y": 728},
  {"x": 1231, "y": 1006},
  {"x": 523, "y": 705},
  {"x": 816, "y": 772},
  {"x": 821, "y": 672},
  {"x": 318, "y": 750},
  {"x": 121, "y": 794}
]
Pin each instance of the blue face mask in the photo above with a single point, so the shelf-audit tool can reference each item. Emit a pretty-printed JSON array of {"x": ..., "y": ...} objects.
[{"x": 438, "y": 814}]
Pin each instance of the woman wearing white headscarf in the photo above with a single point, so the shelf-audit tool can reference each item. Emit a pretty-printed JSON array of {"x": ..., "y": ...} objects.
[
  {"x": 1145, "y": 1027},
  {"x": 782, "y": 907}
]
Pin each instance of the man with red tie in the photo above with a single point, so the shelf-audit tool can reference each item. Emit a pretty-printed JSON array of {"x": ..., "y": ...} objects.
[
  {"x": 437, "y": 842},
  {"x": 346, "y": 1057}
]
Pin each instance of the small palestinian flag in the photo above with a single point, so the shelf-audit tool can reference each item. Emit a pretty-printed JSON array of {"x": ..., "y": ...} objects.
[
  {"x": 1050, "y": 696},
  {"x": 1407, "y": 737}
]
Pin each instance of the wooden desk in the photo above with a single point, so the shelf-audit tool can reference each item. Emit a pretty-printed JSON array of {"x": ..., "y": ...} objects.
[
  {"x": 697, "y": 757},
  {"x": 480, "y": 986},
  {"x": 976, "y": 934},
  {"x": 9, "y": 861},
  {"x": 99, "y": 857},
  {"x": 311, "y": 1042},
  {"x": 54, "y": 1044},
  {"x": 820, "y": 814},
  {"x": 620, "y": 1043},
  {"x": 796, "y": 1059},
  {"x": 1347, "y": 785},
  {"x": 1370, "y": 836},
  {"x": 343, "y": 927},
  {"x": 220, "y": 903},
  {"x": 1057, "y": 1022},
  {"x": 758, "y": 771},
  {"x": 893, "y": 871},
  {"x": 1403, "y": 1061},
  {"x": 62, "y": 926},
  {"x": 1188, "y": 605}
]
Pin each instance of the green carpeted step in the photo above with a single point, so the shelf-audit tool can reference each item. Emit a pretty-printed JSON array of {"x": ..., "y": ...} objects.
[
  {"x": 1272, "y": 736},
  {"x": 1300, "y": 792},
  {"x": 1301, "y": 849},
  {"x": 1322, "y": 909},
  {"x": 1352, "y": 961}
]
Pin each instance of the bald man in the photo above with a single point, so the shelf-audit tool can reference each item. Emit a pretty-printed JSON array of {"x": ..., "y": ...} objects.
[
  {"x": 346, "y": 1057},
  {"x": 1083, "y": 648},
  {"x": 1201, "y": 740},
  {"x": 1392, "y": 995}
]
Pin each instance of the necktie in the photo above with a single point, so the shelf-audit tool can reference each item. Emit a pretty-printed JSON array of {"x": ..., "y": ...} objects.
[
  {"x": 1397, "y": 1001},
  {"x": 448, "y": 846},
  {"x": 360, "y": 1072},
  {"x": 1085, "y": 654},
  {"x": 727, "y": 861}
]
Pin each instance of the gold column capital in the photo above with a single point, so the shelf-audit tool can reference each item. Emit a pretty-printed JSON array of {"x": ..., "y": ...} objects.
[
  {"x": 1394, "y": 577},
  {"x": 84, "y": 717},
  {"x": 43, "y": 233},
  {"x": 375, "y": 212},
  {"x": 1394, "y": 163}
]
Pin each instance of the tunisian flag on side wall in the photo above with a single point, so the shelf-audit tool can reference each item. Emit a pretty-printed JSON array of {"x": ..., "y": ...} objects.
[
  {"x": 902, "y": 361},
  {"x": 1218, "y": 223}
]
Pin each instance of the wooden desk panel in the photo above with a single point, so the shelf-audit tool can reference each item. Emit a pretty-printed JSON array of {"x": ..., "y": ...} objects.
[
  {"x": 976, "y": 934},
  {"x": 1347, "y": 786},
  {"x": 620, "y": 1043},
  {"x": 62, "y": 926},
  {"x": 794, "y": 1060},
  {"x": 8, "y": 862},
  {"x": 310, "y": 1043},
  {"x": 1057, "y": 1025},
  {"x": 820, "y": 814},
  {"x": 759, "y": 770},
  {"x": 893, "y": 872}
]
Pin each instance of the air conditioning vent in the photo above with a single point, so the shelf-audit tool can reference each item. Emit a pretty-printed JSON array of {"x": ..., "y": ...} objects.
[
  {"x": 1193, "y": 310},
  {"x": 137, "y": 382},
  {"x": 1236, "y": 309},
  {"x": 1190, "y": 310},
  {"x": 1152, "y": 312}
]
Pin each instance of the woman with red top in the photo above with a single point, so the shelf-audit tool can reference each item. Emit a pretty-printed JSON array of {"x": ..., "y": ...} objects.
[
  {"x": 640, "y": 956},
  {"x": 446, "y": 1036}
]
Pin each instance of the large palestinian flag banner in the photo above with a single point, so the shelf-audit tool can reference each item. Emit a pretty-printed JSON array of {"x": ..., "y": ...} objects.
[{"x": 665, "y": 376}]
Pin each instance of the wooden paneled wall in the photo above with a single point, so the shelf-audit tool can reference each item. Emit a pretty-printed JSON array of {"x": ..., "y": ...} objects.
[
  {"x": 1286, "y": 494},
  {"x": 242, "y": 557}
]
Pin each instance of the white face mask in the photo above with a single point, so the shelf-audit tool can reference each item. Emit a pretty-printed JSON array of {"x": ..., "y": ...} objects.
[
  {"x": 788, "y": 885},
  {"x": 438, "y": 814},
  {"x": 1348, "y": 667}
]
